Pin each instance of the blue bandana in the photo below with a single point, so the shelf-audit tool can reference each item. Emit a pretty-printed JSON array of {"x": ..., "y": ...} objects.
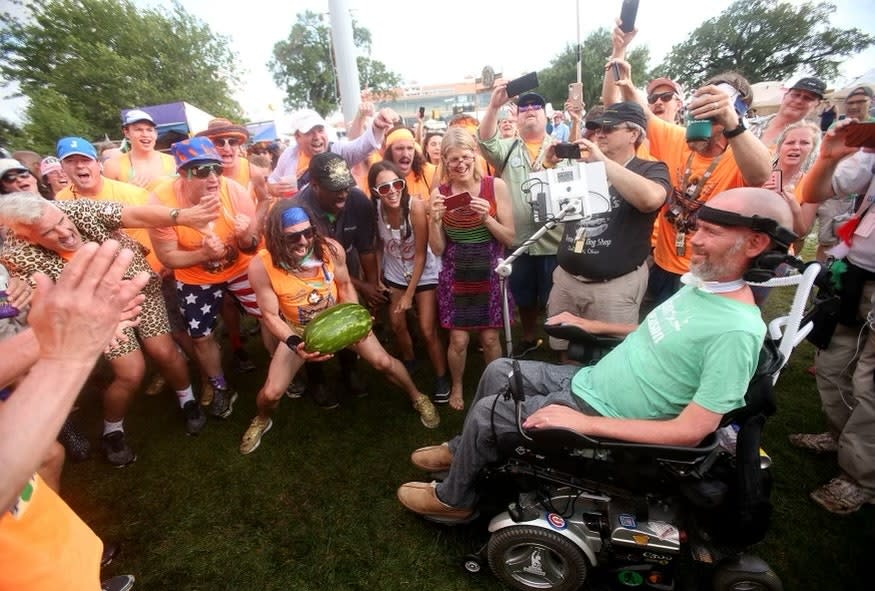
[{"x": 294, "y": 215}]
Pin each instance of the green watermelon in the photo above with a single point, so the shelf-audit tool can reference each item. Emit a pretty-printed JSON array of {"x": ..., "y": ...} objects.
[{"x": 337, "y": 327}]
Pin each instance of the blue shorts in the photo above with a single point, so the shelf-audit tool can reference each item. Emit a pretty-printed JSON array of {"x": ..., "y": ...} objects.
[{"x": 532, "y": 279}]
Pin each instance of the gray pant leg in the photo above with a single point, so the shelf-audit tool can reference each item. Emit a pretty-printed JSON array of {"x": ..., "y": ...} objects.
[
  {"x": 543, "y": 384},
  {"x": 856, "y": 453},
  {"x": 837, "y": 381}
]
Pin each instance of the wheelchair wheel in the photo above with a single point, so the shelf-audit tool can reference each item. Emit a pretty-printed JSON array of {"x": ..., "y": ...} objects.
[
  {"x": 529, "y": 558},
  {"x": 752, "y": 581}
]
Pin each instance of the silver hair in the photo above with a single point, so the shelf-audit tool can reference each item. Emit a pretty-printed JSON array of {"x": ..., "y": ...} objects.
[
  {"x": 642, "y": 133},
  {"x": 21, "y": 208}
]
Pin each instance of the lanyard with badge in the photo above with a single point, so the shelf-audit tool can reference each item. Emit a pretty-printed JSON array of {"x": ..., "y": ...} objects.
[{"x": 684, "y": 202}]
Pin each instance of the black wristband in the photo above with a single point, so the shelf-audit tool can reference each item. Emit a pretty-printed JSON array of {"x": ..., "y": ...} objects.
[
  {"x": 293, "y": 341},
  {"x": 735, "y": 132}
]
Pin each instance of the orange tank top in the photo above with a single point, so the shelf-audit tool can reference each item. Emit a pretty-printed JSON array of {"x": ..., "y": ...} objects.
[
  {"x": 301, "y": 298},
  {"x": 235, "y": 262}
]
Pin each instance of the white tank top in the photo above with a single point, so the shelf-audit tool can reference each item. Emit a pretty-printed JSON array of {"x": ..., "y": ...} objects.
[{"x": 398, "y": 255}]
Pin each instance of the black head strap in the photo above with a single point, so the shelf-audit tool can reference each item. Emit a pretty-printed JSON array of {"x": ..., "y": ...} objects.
[{"x": 781, "y": 235}]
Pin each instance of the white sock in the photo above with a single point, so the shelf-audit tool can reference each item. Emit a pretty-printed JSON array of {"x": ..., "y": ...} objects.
[
  {"x": 184, "y": 396},
  {"x": 109, "y": 426}
]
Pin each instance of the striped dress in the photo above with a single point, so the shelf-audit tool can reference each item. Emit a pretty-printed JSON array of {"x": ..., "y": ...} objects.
[{"x": 469, "y": 294}]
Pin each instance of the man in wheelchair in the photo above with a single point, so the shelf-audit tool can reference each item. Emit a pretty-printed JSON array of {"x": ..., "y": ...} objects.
[{"x": 669, "y": 382}]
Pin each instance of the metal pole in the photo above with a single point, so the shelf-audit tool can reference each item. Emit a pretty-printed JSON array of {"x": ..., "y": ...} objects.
[
  {"x": 505, "y": 268},
  {"x": 344, "y": 53},
  {"x": 579, "y": 56}
]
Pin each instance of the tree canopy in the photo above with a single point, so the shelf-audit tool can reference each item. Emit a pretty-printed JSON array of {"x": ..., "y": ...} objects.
[
  {"x": 79, "y": 62},
  {"x": 765, "y": 40},
  {"x": 596, "y": 49},
  {"x": 303, "y": 65}
]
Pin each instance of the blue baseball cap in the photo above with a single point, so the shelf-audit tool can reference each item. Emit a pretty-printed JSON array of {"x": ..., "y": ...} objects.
[
  {"x": 69, "y": 146},
  {"x": 196, "y": 150}
]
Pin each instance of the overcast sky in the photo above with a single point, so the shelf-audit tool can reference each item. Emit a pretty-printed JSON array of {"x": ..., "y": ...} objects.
[{"x": 444, "y": 41}]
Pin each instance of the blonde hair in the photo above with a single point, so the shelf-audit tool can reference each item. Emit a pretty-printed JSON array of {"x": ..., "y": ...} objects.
[{"x": 460, "y": 139}]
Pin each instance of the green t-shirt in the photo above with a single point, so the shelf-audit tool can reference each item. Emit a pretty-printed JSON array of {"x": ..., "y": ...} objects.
[{"x": 696, "y": 347}]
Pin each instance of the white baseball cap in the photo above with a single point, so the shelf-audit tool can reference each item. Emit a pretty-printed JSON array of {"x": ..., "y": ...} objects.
[{"x": 305, "y": 120}]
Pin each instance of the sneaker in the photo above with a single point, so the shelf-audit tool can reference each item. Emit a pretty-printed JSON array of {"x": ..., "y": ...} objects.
[
  {"x": 441, "y": 390},
  {"x": 842, "y": 496},
  {"x": 120, "y": 583},
  {"x": 116, "y": 449},
  {"x": 206, "y": 394},
  {"x": 296, "y": 388},
  {"x": 252, "y": 438},
  {"x": 427, "y": 412},
  {"x": 817, "y": 442},
  {"x": 223, "y": 402},
  {"x": 323, "y": 397},
  {"x": 242, "y": 362},
  {"x": 155, "y": 386},
  {"x": 76, "y": 445},
  {"x": 526, "y": 347},
  {"x": 195, "y": 419}
]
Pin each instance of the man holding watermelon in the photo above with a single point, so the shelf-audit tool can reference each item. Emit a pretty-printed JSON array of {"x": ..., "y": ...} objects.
[{"x": 299, "y": 278}]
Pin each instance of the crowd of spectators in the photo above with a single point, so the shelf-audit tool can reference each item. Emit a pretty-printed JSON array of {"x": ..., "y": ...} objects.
[{"x": 411, "y": 223}]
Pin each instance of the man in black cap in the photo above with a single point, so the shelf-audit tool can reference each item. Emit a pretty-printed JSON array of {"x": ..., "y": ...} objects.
[
  {"x": 798, "y": 102},
  {"x": 858, "y": 103},
  {"x": 514, "y": 159},
  {"x": 602, "y": 269},
  {"x": 343, "y": 212}
]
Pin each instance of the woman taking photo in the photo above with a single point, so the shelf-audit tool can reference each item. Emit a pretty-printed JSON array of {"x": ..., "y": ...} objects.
[
  {"x": 410, "y": 270},
  {"x": 471, "y": 224}
]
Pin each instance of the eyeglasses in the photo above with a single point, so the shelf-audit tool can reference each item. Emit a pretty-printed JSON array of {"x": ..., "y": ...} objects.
[
  {"x": 11, "y": 177},
  {"x": 527, "y": 108},
  {"x": 203, "y": 172},
  {"x": 384, "y": 189},
  {"x": 295, "y": 237},
  {"x": 459, "y": 160},
  {"x": 662, "y": 96},
  {"x": 221, "y": 142}
]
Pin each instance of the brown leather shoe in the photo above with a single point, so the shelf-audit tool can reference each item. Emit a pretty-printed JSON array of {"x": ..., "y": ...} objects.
[
  {"x": 420, "y": 498},
  {"x": 433, "y": 458}
]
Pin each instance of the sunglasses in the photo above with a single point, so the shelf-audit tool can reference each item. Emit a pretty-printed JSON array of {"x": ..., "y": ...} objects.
[
  {"x": 662, "y": 96},
  {"x": 527, "y": 108},
  {"x": 203, "y": 172},
  {"x": 221, "y": 142},
  {"x": 14, "y": 176},
  {"x": 607, "y": 129},
  {"x": 295, "y": 237},
  {"x": 384, "y": 189}
]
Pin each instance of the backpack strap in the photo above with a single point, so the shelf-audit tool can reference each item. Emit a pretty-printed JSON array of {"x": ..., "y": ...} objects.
[{"x": 500, "y": 171}]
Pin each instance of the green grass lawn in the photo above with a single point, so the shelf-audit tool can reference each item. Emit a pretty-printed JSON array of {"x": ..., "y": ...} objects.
[{"x": 314, "y": 507}]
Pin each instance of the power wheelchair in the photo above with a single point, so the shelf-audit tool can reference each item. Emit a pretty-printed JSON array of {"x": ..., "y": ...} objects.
[{"x": 617, "y": 515}]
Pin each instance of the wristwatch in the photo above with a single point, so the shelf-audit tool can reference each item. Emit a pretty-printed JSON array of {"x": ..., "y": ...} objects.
[
  {"x": 174, "y": 214},
  {"x": 731, "y": 133}
]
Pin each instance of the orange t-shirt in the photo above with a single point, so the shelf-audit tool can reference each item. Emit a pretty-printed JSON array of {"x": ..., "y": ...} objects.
[
  {"x": 421, "y": 187},
  {"x": 234, "y": 200},
  {"x": 127, "y": 173},
  {"x": 44, "y": 546},
  {"x": 668, "y": 143},
  {"x": 301, "y": 298},
  {"x": 125, "y": 194}
]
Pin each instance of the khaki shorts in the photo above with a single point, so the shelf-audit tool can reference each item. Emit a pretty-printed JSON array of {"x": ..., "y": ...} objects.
[{"x": 615, "y": 300}]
